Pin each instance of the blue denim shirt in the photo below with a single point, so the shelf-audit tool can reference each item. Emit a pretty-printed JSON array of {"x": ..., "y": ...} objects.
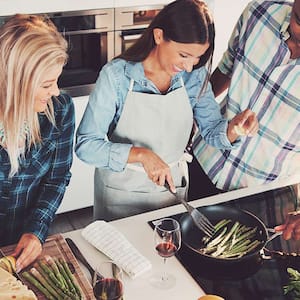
[
  {"x": 107, "y": 101},
  {"x": 29, "y": 199}
]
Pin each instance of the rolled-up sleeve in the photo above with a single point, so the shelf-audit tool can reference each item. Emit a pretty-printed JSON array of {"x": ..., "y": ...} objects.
[
  {"x": 211, "y": 124},
  {"x": 92, "y": 145}
]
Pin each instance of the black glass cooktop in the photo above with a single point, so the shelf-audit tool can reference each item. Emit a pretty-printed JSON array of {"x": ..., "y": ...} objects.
[{"x": 253, "y": 281}]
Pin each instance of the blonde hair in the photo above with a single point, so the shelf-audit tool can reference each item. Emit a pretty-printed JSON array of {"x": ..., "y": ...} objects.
[{"x": 29, "y": 46}]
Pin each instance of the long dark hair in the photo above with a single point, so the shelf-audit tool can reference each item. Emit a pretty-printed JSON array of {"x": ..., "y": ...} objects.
[{"x": 182, "y": 21}]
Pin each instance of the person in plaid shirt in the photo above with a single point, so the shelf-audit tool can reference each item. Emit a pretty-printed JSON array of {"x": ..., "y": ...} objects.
[
  {"x": 261, "y": 71},
  {"x": 36, "y": 133}
]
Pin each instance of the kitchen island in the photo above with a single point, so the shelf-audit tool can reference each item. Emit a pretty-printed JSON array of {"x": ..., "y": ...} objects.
[{"x": 140, "y": 234}]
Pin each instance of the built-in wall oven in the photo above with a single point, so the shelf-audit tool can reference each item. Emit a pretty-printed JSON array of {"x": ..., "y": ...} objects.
[
  {"x": 91, "y": 45},
  {"x": 130, "y": 23},
  {"x": 95, "y": 37}
]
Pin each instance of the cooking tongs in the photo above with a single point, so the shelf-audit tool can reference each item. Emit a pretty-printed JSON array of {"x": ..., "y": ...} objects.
[{"x": 199, "y": 218}]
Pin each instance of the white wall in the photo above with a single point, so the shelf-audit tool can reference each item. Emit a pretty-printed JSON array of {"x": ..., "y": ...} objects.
[{"x": 226, "y": 14}]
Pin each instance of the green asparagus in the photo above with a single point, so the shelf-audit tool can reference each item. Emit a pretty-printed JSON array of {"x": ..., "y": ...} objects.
[
  {"x": 54, "y": 279},
  {"x": 70, "y": 276},
  {"x": 53, "y": 285},
  {"x": 44, "y": 282},
  {"x": 30, "y": 278},
  {"x": 51, "y": 262},
  {"x": 231, "y": 240},
  {"x": 67, "y": 279}
]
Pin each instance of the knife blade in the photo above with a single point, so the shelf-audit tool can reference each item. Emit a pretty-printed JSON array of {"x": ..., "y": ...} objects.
[
  {"x": 77, "y": 253},
  {"x": 14, "y": 273}
]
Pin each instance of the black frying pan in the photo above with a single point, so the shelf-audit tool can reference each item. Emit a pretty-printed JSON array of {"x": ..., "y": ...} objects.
[{"x": 224, "y": 268}]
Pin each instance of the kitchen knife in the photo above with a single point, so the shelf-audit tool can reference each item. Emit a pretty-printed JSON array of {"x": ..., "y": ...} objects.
[{"x": 77, "y": 253}]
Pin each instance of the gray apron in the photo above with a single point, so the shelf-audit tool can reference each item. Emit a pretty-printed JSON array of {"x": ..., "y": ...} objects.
[{"x": 161, "y": 123}]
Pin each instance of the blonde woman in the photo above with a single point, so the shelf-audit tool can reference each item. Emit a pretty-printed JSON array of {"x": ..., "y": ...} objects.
[{"x": 36, "y": 133}]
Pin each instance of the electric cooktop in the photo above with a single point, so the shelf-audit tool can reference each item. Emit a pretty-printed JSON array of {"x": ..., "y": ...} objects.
[{"x": 262, "y": 281}]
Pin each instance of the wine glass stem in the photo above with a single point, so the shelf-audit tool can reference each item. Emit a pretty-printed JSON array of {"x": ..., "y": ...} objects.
[{"x": 164, "y": 276}]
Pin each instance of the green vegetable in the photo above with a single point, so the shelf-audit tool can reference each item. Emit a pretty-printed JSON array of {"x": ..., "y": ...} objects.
[
  {"x": 68, "y": 278},
  {"x": 231, "y": 240},
  {"x": 293, "y": 287},
  {"x": 69, "y": 275},
  {"x": 38, "y": 285},
  {"x": 51, "y": 283},
  {"x": 51, "y": 262},
  {"x": 44, "y": 282},
  {"x": 54, "y": 279}
]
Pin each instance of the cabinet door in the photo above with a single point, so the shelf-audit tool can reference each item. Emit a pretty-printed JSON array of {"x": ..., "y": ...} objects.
[{"x": 80, "y": 192}]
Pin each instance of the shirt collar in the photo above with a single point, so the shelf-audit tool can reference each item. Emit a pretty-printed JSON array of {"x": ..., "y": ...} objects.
[{"x": 135, "y": 71}]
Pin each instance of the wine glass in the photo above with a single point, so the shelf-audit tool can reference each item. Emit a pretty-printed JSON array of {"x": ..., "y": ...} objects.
[
  {"x": 107, "y": 282},
  {"x": 167, "y": 241}
]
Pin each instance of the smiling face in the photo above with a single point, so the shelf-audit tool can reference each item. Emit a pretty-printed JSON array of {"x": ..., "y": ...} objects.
[
  {"x": 174, "y": 57},
  {"x": 47, "y": 88}
]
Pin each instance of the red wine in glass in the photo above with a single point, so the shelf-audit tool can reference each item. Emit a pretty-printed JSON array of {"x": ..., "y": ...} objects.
[
  {"x": 108, "y": 289},
  {"x": 166, "y": 249},
  {"x": 167, "y": 240}
]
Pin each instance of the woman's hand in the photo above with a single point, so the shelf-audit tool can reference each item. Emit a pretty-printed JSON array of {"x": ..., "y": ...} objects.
[
  {"x": 28, "y": 249},
  {"x": 291, "y": 227},
  {"x": 157, "y": 170},
  {"x": 245, "y": 123}
]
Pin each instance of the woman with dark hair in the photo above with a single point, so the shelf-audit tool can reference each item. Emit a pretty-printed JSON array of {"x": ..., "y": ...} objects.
[{"x": 140, "y": 116}]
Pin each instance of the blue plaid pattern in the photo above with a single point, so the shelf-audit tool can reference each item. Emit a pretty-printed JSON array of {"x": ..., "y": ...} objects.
[
  {"x": 266, "y": 80},
  {"x": 30, "y": 199}
]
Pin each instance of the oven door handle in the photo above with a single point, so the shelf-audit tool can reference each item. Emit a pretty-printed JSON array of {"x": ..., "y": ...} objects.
[{"x": 131, "y": 37}]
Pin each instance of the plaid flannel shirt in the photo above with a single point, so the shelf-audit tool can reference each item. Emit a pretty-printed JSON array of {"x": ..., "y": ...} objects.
[
  {"x": 266, "y": 80},
  {"x": 29, "y": 200}
]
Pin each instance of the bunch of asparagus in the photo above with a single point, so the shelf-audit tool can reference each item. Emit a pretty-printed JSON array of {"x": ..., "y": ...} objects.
[
  {"x": 230, "y": 241},
  {"x": 54, "y": 279}
]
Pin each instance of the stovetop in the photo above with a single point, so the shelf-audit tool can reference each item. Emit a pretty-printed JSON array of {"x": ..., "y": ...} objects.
[{"x": 262, "y": 281}]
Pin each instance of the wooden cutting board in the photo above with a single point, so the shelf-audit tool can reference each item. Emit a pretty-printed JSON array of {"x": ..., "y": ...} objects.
[{"x": 57, "y": 247}]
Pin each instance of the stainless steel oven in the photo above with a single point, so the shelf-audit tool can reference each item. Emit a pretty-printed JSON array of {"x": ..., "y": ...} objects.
[
  {"x": 91, "y": 45},
  {"x": 130, "y": 23}
]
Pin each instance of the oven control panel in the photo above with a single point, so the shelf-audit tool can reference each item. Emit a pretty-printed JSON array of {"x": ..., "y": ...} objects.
[{"x": 135, "y": 17}]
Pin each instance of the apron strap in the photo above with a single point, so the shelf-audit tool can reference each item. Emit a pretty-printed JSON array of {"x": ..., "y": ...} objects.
[
  {"x": 182, "y": 82},
  {"x": 131, "y": 85}
]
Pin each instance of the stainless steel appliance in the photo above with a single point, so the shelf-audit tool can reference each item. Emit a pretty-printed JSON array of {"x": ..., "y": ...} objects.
[
  {"x": 95, "y": 37},
  {"x": 91, "y": 45},
  {"x": 130, "y": 23}
]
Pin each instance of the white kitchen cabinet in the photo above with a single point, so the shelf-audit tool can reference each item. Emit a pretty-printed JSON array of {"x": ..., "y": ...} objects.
[{"x": 80, "y": 192}]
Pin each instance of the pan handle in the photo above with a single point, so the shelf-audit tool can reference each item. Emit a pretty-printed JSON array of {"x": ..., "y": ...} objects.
[
  {"x": 270, "y": 238},
  {"x": 274, "y": 234}
]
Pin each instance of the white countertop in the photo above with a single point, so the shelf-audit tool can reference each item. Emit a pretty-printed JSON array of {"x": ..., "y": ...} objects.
[
  {"x": 10, "y": 7},
  {"x": 139, "y": 233}
]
